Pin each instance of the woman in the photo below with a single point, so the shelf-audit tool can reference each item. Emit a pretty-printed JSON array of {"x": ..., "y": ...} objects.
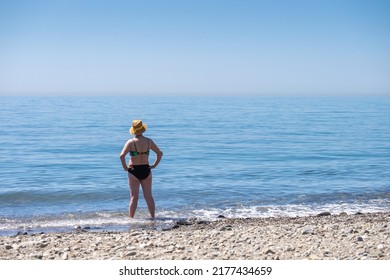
[{"x": 139, "y": 170}]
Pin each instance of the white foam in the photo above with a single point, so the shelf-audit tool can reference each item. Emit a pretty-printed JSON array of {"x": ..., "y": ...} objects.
[{"x": 165, "y": 218}]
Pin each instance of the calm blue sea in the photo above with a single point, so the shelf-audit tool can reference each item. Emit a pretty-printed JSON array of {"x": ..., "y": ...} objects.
[{"x": 233, "y": 156}]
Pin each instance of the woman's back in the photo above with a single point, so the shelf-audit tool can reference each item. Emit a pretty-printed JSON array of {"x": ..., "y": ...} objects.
[{"x": 139, "y": 150}]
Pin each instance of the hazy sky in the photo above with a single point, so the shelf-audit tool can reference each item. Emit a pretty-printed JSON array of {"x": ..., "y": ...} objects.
[{"x": 195, "y": 46}]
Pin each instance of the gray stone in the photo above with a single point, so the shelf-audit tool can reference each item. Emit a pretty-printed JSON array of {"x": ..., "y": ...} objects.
[
  {"x": 183, "y": 223},
  {"x": 64, "y": 256},
  {"x": 42, "y": 244},
  {"x": 308, "y": 230},
  {"x": 327, "y": 254},
  {"x": 270, "y": 251},
  {"x": 323, "y": 214},
  {"x": 37, "y": 255}
]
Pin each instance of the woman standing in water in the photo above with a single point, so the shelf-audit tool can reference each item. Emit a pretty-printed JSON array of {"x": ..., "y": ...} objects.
[{"x": 139, "y": 170}]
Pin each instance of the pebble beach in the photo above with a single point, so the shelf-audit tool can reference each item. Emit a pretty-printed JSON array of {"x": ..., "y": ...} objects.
[{"x": 336, "y": 237}]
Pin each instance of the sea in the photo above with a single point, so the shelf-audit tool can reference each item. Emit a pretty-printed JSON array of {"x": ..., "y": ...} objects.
[{"x": 232, "y": 156}]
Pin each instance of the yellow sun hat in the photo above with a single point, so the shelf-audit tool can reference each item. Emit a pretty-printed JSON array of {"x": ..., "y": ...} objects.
[{"x": 137, "y": 127}]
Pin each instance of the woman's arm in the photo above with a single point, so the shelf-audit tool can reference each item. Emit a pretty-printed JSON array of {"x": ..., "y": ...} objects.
[
  {"x": 122, "y": 156},
  {"x": 158, "y": 152}
]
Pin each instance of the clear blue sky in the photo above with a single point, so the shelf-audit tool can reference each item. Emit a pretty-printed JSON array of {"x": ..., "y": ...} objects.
[{"x": 195, "y": 46}]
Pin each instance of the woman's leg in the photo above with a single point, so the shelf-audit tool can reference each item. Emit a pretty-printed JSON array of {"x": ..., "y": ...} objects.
[
  {"x": 134, "y": 194},
  {"x": 147, "y": 190}
]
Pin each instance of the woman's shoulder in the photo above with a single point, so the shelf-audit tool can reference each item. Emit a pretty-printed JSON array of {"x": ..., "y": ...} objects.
[{"x": 148, "y": 138}]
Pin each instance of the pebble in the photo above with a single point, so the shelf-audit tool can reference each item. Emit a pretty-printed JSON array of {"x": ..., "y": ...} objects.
[
  {"x": 269, "y": 251},
  {"x": 224, "y": 228},
  {"x": 308, "y": 230},
  {"x": 323, "y": 214}
]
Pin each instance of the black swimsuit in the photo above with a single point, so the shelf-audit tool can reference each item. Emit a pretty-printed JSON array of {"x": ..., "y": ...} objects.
[{"x": 141, "y": 172}]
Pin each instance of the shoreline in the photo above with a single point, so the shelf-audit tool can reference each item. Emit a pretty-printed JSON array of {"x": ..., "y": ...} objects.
[{"x": 325, "y": 236}]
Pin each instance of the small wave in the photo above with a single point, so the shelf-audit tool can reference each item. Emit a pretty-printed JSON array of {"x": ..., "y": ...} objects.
[
  {"x": 98, "y": 221},
  {"x": 166, "y": 218}
]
